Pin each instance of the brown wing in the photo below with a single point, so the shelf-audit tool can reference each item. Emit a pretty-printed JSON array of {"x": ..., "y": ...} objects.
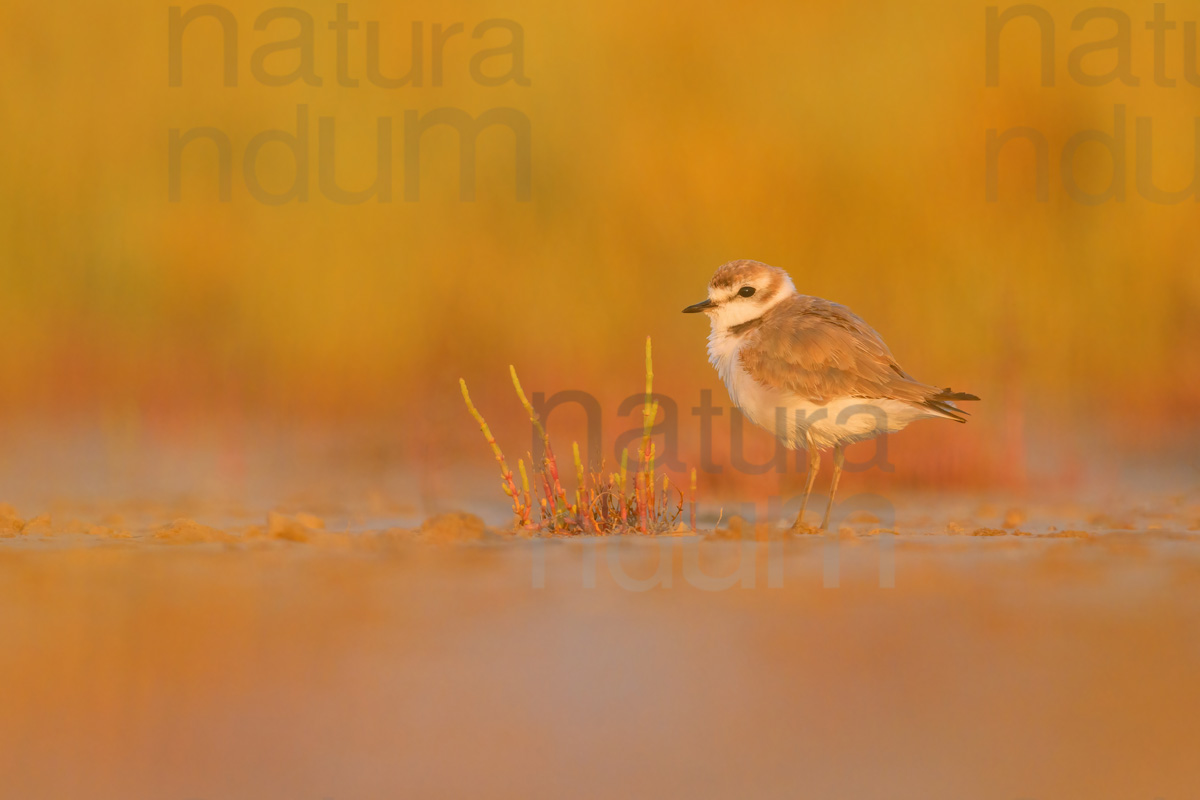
[{"x": 821, "y": 350}]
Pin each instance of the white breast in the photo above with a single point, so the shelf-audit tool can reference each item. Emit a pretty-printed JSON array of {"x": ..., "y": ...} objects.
[
  {"x": 794, "y": 419},
  {"x": 757, "y": 402}
]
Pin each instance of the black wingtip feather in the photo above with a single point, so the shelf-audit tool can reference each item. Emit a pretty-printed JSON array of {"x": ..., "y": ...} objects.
[
  {"x": 950, "y": 394},
  {"x": 950, "y": 412},
  {"x": 941, "y": 403}
]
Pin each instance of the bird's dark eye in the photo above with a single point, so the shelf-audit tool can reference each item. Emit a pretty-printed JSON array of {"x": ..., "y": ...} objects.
[{"x": 745, "y": 291}]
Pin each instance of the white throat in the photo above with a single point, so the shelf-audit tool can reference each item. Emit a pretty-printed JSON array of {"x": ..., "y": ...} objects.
[{"x": 733, "y": 312}]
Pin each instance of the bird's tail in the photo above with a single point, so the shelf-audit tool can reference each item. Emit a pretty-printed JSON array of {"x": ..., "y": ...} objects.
[{"x": 943, "y": 403}]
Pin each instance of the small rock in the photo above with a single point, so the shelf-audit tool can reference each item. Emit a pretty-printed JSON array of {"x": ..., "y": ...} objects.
[
  {"x": 456, "y": 526},
  {"x": 291, "y": 529},
  {"x": 10, "y": 523}
]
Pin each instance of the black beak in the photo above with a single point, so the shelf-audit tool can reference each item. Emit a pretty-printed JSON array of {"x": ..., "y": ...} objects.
[{"x": 703, "y": 305}]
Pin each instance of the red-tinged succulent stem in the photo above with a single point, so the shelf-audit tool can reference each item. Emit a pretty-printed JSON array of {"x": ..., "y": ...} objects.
[
  {"x": 579, "y": 482},
  {"x": 623, "y": 485},
  {"x": 525, "y": 493},
  {"x": 649, "y": 413},
  {"x": 583, "y": 494},
  {"x": 643, "y": 511},
  {"x": 551, "y": 462},
  {"x": 510, "y": 488},
  {"x": 552, "y": 469},
  {"x": 549, "y": 497},
  {"x": 589, "y": 505}
]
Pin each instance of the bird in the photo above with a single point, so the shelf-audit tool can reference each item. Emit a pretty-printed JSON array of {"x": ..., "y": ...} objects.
[{"x": 808, "y": 370}]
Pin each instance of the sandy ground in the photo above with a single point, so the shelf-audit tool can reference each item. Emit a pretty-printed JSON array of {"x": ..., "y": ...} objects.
[{"x": 994, "y": 654}]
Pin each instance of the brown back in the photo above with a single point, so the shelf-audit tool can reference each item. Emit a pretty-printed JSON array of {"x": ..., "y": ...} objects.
[{"x": 820, "y": 350}]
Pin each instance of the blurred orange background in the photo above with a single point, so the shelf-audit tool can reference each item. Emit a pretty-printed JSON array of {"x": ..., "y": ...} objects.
[{"x": 842, "y": 143}]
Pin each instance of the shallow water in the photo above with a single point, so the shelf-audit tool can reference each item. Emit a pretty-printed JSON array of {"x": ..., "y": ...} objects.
[{"x": 280, "y": 659}]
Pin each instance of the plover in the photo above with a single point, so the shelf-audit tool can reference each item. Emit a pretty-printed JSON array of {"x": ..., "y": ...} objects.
[{"x": 810, "y": 371}]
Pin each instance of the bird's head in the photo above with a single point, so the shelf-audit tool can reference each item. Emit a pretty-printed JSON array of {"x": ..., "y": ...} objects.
[{"x": 741, "y": 291}]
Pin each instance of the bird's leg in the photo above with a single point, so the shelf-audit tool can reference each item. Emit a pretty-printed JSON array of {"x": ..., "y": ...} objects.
[
  {"x": 839, "y": 458},
  {"x": 814, "y": 464}
]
